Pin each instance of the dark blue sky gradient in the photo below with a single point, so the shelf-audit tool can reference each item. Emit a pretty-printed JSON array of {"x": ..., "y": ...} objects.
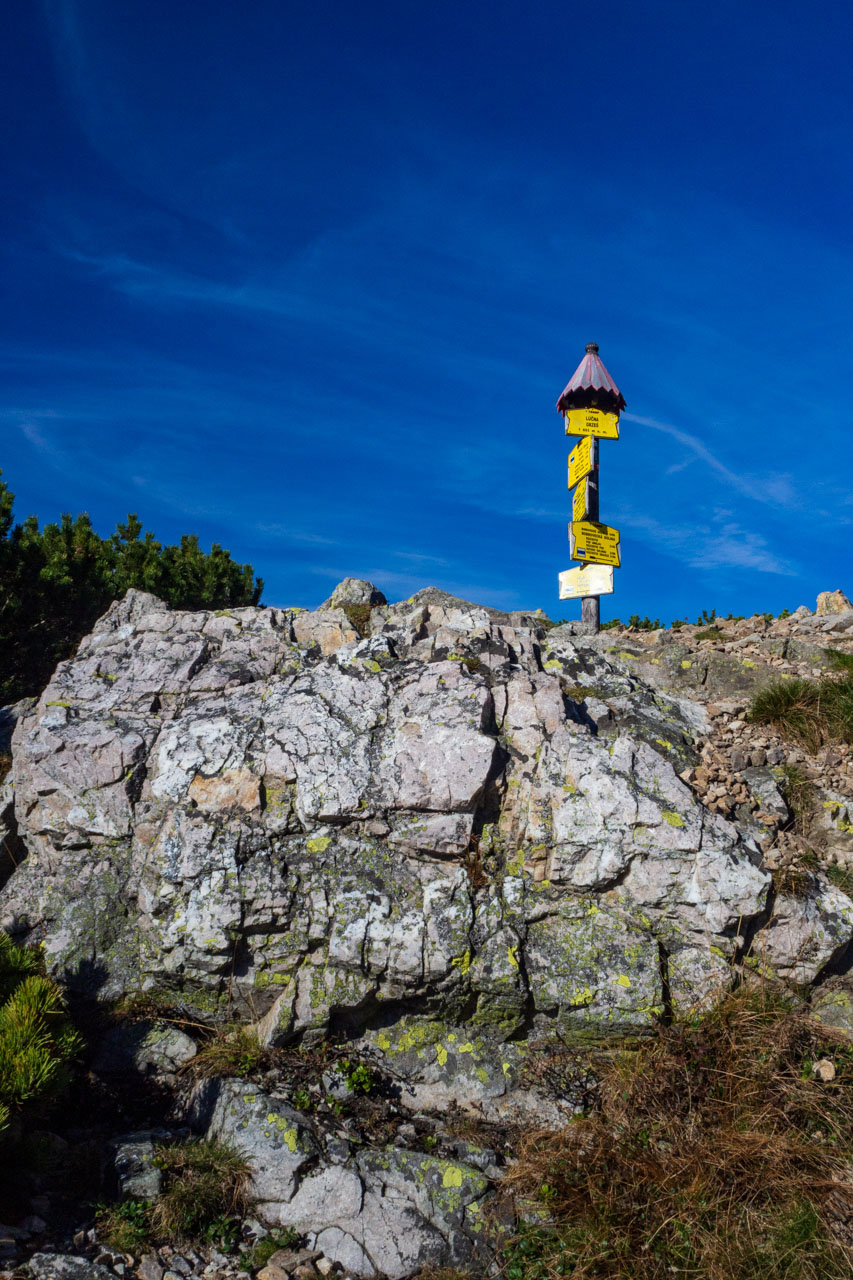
[{"x": 308, "y": 279}]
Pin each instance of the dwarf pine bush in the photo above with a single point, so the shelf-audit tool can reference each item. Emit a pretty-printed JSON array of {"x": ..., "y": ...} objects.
[{"x": 37, "y": 1040}]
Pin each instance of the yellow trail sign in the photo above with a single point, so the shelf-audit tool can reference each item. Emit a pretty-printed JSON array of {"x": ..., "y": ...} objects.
[
  {"x": 580, "y": 501},
  {"x": 580, "y": 461},
  {"x": 594, "y": 543},
  {"x": 592, "y": 422},
  {"x": 591, "y": 580}
]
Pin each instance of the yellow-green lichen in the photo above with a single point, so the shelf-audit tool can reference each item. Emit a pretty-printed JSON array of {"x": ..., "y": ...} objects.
[{"x": 674, "y": 819}]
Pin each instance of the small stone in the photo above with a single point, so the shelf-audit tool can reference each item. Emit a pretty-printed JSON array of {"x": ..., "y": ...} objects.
[
  {"x": 150, "y": 1268},
  {"x": 181, "y": 1265},
  {"x": 272, "y": 1272},
  {"x": 824, "y": 1070},
  {"x": 324, "y": 1266},
  {"x": 737, "y": 760},
  {"x": 33, "y": 1223},
  {"x": 252, "y": 1230},
  {"x": 757, "y": 758},
  {"x": 775, "y": 756}
]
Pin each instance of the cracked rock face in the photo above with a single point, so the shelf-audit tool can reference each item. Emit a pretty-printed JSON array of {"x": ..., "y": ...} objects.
[{"x": 451, "y": 838}]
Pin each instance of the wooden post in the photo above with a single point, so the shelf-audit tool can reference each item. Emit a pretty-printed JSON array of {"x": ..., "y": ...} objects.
[{"x": 591, "y": 605}]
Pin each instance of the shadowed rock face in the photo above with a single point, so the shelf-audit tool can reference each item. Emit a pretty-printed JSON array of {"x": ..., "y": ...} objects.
[{"x": 451, "y": 839}]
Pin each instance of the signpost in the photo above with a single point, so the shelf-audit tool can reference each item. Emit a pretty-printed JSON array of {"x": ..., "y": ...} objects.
[
  {"x": 591, "y": 580},
  {"x": 590, "y": 405}
]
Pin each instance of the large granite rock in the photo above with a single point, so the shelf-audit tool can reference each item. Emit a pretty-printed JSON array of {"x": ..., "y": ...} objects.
[{"x": 453, "y": 838}]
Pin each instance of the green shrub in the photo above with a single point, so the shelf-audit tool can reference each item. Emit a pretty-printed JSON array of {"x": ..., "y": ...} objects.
[
  {"x": 38, "y": 1043},
  {"x": 56, "y": 581},
  {"x": 643, "y": 624}
]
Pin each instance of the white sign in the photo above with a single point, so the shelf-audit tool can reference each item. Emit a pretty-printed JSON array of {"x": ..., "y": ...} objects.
[{"x": 591, "y": 580}]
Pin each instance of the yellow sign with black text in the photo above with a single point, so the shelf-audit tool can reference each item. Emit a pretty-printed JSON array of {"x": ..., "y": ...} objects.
[
  {"x": 592, "y": 422},
  {"x": 580, "y": 461},
  {"x": 580, "y": 501},
  {"x": 591, "y": 580},
  {"x": 594, "y": 543}
]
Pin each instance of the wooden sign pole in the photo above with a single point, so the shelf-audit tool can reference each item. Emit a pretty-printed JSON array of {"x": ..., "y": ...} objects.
[
  {"x": 590, "y": 406},
  {"x": 591, "y": 605}
]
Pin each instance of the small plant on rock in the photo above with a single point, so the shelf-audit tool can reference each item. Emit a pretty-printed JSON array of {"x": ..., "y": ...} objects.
[
  {"x": 359, "y": 617},
  {"x": 800, "y": 796},
  {"x": 260, "y": 1253},
  {"x": 234, "y": 1051},
  {"x": 125, "y": 1226},
  {"x": 359, "y": 1077}
]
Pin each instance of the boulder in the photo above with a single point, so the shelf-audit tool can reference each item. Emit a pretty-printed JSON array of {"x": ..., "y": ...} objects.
[
  {"x": 354, "y": 591},
  {"x": 831, "y": 602}
]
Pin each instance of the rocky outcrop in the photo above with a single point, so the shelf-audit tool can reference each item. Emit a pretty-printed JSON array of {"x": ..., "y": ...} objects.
[
  {"x": 263, "y": 810},
  {"x": 451, "y": 835}
]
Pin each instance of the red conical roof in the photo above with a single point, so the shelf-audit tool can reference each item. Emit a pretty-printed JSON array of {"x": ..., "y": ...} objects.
[{"x": 591, "y": 384}]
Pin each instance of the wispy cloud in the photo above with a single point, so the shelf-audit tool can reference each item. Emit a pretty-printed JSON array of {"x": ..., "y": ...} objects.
[
  {"x": 720, "y": 543},
  {"x": 776, "y": 490}
]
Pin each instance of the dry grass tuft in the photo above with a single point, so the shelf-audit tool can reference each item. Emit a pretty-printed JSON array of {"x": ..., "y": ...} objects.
[
  {"x": 204, "y": 1182},
  {"x": 716, "y": 1154},
  {"x": 232, "y": 1051},
  {"x": 810, "y": 712}
]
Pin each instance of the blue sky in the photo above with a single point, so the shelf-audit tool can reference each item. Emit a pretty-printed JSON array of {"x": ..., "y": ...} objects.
[{"x": 307, "y": 280}]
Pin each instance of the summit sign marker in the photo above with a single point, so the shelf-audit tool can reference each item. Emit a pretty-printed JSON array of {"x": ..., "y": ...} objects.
[
  {"x": 590, "y": 406},
  {"x": 592, "y": 422}
]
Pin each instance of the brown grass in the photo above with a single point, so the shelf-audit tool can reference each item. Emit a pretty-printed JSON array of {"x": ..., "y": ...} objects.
[
  {"x": 716, "y": 1154},
  {"x": 204, "y": 1182}
]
